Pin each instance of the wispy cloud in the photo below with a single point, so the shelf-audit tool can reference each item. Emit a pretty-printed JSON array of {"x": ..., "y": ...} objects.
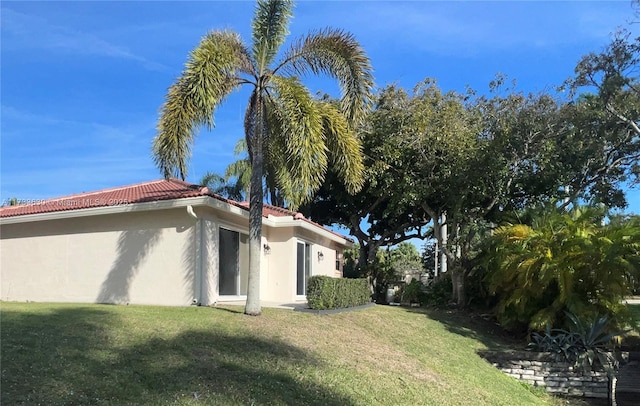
[
  {"x": 75, "y": 176},
  {"x": 469, "y": 28},
  {"x": 11, "y": 113},
  {"x": 25, "y": 31},
  {"x": 74, "y": 154}
]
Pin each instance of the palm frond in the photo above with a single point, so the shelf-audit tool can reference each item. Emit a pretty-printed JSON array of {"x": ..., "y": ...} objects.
[
  {"x": 220, "y": 186},
  {"x": 240, "y": 147},
  {"x": 239, "y": 170},
  {"x": 212, "y": 181},
  {"x": 335, "y": 53},
  {"x": 209, "y": 76},
  {"x": 270, "y": 28},
  {"x": 296, "y": 129},
  {"x": 345, "y": 149}
]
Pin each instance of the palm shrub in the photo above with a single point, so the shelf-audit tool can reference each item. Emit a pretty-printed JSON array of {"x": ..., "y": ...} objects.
[{"x": 563, "y": 261}]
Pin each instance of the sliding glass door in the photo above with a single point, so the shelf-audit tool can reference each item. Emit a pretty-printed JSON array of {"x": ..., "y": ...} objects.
[
  {"x": 303, "y": 267},
  {"x": 233, "y": 269}
]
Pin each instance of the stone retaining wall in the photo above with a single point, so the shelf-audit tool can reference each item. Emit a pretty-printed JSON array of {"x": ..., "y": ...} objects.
[{"x": 540, "y": 369}]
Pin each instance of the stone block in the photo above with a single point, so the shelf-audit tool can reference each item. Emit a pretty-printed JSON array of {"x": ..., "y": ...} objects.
[
  {"x": 551, "y": 389},
  {"x": 580, "y": 378},
  {"x": 596, "y": 384},
  {"x": 600, "y": 389},
  {"x": 556, "y": 378}
]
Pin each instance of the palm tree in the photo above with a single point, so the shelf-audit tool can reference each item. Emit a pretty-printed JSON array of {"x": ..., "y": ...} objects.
[
  {"x": 235, "y": 184},
  {"x": 296, "y": 134},
  {"x": 240, "y": 171},
  {"x": 237, "y": 177},
  {"x": 223, "y": 186}
]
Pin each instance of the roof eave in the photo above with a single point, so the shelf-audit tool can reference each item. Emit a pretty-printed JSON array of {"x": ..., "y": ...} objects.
[
  {"x": 208, "y": 201},
  {"x": 127, "y": 208},
  {"x": 288, "y": 221}
]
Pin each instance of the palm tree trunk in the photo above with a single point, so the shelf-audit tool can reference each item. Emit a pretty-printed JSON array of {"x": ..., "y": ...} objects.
[{"x": 252, "y": 306}]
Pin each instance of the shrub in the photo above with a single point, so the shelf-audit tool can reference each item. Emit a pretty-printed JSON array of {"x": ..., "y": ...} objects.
[
  {"x": 324, "y": 292},
  {"x": 439, "y": 291},
  {"x": 585, "y": 345},
  {"x": 413, "y": 292},
  {"x": 562, "y": 262}
]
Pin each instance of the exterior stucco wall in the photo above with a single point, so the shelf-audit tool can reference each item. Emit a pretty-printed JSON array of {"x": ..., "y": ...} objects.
[
  {"x": 278, "y": 276},
  {"x": 326, "y": 265},
  {"x": 209, "y": 261},
  {"x": 144, "y": 258},
  {"x": 279, "y": 267},
  {"x": 163, "y": 257}
]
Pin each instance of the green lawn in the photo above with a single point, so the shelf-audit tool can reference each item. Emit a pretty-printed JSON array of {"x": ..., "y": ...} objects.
[{"x": 98, "y": 354}]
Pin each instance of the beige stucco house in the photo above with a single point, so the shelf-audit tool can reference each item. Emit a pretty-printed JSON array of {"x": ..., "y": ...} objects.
[{"x": 165, "y": 242}]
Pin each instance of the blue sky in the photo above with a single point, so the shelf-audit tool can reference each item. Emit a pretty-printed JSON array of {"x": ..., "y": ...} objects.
[{"x": 82, "y": 82}]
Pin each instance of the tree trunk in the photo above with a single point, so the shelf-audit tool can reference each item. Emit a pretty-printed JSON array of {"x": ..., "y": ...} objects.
[
  {"x": 366, "y": 263},
  {"x": 252, "y": 306},
  {"x": 450, "y": 255},
  {"x": 459, "y": 293},
  {"x": 362, "y": 256},
  {"x": 459, "y": 261}
]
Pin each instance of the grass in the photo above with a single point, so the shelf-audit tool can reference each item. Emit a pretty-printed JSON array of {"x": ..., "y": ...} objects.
[{"x": 114, "y": 355}]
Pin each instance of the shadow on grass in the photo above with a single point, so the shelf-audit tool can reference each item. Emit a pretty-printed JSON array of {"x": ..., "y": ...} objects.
[
  {"x": 236, "y": 310},
  {"x": 73, "y": 356},
  {"x": 473, "y": 326}
]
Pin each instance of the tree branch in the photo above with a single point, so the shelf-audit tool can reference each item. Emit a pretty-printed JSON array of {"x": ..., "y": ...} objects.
[{"x": 624, "y": 119}]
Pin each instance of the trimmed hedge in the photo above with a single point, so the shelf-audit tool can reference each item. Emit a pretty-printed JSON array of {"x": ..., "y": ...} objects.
[{"x": 325, "y": 292}]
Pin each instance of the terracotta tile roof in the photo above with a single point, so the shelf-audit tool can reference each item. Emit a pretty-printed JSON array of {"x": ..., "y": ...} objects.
[
  {"x": 276, "y": 211},
  {"x": 142, "y": 192},
  {"x": 273, "y": 210},
  {"x": 157, "y": 190}
]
